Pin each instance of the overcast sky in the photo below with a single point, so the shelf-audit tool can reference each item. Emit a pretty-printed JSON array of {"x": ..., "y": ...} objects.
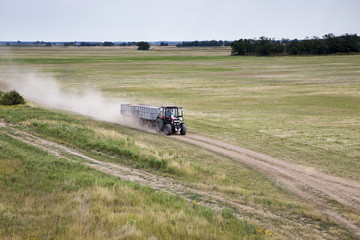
[{"x": 152, "y": 20}]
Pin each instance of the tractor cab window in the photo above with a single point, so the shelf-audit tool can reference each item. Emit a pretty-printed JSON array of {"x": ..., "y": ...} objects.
[
  {"x": 181, "y": 112},
  {"x": 174, "y": 112},
  {"x": 167, "y": 112}
]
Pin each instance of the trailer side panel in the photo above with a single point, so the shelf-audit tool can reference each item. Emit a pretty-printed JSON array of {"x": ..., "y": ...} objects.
[{"x": 147, "y": 112}]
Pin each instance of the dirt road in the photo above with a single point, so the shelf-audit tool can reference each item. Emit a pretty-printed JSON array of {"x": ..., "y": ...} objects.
[{"x": 309, "y": 184}]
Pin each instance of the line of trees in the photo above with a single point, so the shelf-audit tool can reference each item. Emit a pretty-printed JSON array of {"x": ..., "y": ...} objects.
[
  {"x": 329, "y": 44},
  {"x": 128, "y": 44},
  {"x": 212, "y": 43},
  {"x": 93, "y": 44},
  {"x": 83, "y": 44}
]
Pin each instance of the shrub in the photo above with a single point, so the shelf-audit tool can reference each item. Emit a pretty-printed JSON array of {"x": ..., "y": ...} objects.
[
  {"x": 143, "y": 46},
  {"x": 11, "y": 98}
]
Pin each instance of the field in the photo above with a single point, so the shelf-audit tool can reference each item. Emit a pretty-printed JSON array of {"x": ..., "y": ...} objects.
[{"x": 303, "y": 110}]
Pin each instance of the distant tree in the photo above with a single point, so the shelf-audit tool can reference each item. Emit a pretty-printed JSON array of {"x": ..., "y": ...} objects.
[
  {"x": 48, "y": 44},
  {"x": 11, "y": 98},
  {"x": 39, "y": 43},
  {"x": 351, "y": 43},
  {"x": 263, "y": 48},
  {"x": 143, "y": 46},
  {"x": 226, "y": 43},
  {"x": 243, "y": 47},
  {"x": 212, "y": 43},
  {"x": 277, "y": 47},
  {"x": 108, "y": 44},
  {"x": 294, "y": 47},
  {"x": 333, "y": 43},
  {"x": 67, "y": 44},
  {"x": 164, "y": 44},
  {"x": 238, "y": 47}
]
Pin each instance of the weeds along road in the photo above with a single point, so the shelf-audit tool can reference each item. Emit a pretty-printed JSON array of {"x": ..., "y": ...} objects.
[
  {"x": 311, "y": 185},
  {"x": 208, "y": 198}
]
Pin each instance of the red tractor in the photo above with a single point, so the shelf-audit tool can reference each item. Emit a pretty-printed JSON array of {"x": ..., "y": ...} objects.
[{"x": 170, "y": 120}]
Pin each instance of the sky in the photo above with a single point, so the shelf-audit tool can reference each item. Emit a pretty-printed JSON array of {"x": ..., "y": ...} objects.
[{"x": 182, "y": 20}]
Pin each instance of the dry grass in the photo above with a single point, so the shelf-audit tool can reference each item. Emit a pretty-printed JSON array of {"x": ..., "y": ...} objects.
[
  {"x": 302, "y": 109},
  {"x": 101, "y": 206},
  {"x": 51, "y": 198}
]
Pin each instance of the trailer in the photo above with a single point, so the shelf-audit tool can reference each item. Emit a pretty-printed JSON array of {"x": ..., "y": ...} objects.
[{"x": 166, "y": 118}]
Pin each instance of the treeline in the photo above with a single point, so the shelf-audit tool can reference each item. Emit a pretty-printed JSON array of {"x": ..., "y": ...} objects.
[
  {"x": 329, "y": 44},
  {"x": 93, "y": 44},
  {"x": 141, "y": 45},
  {"x": 212, "y": 43}
]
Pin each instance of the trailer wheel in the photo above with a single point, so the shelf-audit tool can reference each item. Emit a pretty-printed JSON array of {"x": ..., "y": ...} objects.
[
  {"x": 159, "y": 125},
  {"x": 183, "y": 129},
  {"x": 168, "y": 129},
  {"x": 141, "y": 122}
]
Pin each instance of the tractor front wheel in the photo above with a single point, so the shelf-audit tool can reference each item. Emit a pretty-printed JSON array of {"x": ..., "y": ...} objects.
[
  {"x": 168, "y": 129},
  {"x": 183, "y": 129}
]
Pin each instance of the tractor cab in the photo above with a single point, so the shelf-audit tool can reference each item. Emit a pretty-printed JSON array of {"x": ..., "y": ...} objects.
[{"x": 171, "y": 113}]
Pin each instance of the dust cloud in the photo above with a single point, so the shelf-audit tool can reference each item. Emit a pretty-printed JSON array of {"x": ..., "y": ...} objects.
[{"x": 46, "y": 91}]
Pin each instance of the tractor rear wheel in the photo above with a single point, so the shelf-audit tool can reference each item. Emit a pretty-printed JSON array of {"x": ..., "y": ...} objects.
[
  {"x": 160, "y": 125},
  {"x": 168, "y": 129}
]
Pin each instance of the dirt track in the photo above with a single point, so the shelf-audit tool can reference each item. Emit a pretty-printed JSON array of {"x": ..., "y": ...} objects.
[{"x": 309, "y": 184}]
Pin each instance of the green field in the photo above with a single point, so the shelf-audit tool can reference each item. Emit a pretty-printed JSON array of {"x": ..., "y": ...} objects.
[{"x": 301, "y": 109}]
